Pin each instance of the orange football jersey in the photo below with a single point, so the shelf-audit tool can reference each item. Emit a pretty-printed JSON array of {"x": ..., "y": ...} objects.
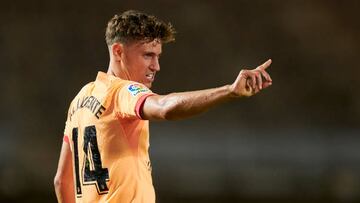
[{"x": 109, "y": 142}]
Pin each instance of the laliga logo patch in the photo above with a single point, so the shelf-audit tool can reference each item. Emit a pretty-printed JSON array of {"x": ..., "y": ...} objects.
[{"x": 135, "y": 89}]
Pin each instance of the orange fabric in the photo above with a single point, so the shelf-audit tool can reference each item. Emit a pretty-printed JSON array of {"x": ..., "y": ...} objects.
[{"x": 109, "y": 108}]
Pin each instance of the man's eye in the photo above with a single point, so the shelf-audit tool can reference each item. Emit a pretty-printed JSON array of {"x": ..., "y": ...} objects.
[{"x": 148, "y": 55}]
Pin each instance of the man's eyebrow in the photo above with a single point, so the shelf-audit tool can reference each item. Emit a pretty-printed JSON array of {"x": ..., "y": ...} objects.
[{"x": 152, "y": 53}]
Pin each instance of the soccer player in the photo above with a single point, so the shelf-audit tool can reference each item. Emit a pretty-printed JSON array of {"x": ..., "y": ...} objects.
[{"x": 104, "y": 155}]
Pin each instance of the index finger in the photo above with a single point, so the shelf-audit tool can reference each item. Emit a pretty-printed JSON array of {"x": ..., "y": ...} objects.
[{"x": 265, "y": 65}]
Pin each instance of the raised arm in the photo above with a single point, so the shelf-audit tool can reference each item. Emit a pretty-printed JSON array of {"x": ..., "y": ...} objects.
[{"x": 186, "y": 104}]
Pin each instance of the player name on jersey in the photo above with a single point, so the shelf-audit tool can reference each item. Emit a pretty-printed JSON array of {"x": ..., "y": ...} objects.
[{"x": 91, "y": 103}]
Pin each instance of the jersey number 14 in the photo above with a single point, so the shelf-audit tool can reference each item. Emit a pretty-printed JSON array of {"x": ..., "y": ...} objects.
[{"x": 92, "y": 172}]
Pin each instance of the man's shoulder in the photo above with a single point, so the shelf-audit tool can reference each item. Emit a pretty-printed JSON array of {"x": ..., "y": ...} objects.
[
  {"x": 114, "y": 82},
  {"x": 83, "y": 91},
  {"x": 129, "y": 85}
]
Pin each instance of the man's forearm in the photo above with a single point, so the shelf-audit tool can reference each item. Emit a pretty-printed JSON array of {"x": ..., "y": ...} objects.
[
  {"x": 185, "y": 104},
  {"x": 65, "y": 192},
  {"x": 64, "y": 181}
]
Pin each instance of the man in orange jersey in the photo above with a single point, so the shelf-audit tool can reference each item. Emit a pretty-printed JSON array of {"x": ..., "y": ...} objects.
[{"x": 104, "y": 155}]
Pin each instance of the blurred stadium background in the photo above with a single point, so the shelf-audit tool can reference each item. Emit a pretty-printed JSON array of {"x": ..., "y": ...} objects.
[{"x": 298, "y": 141}]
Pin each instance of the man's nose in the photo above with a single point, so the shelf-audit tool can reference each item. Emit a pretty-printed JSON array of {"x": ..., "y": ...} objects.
[{"x": 155, "y": 65}]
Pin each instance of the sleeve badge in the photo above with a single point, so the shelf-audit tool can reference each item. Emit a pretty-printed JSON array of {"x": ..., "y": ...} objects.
[{"x": 135, "y": 89}]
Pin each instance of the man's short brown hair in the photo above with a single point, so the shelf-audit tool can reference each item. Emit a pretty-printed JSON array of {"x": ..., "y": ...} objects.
[{"x": 134, "y": 25}]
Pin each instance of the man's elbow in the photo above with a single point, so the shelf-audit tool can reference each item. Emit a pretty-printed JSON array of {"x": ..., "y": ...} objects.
[
  {"x": 161, "y": 108},
  {"x": 171, "y": 111},
  {"x": 59, "y": 182},
  {"x": 168, "y": 115}
]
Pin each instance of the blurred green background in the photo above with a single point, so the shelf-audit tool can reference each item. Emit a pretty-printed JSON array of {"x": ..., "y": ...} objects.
[{"x": 298, "y": 141}]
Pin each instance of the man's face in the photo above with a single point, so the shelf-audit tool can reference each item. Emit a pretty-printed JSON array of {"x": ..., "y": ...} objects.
[{"x": 141, "y": 60}]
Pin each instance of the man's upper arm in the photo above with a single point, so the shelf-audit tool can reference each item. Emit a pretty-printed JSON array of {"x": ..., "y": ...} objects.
[
  {"x": 151, "y": 108},
  {"x": 64, "y": 181},
  {"x": 65, "y": 161}
]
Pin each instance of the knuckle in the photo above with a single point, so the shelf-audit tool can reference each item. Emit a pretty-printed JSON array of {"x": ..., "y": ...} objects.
[{"x": 244, "y": 72}]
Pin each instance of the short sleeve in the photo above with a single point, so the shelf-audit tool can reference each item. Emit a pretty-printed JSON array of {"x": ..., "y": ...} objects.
[{"x": 131, "y": 98}]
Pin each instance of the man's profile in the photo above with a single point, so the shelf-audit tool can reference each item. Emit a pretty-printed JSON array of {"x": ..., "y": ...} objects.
[{"x": 104, "y": 155}]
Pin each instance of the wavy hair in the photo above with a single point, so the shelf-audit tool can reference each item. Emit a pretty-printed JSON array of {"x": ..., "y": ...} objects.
[{"x": 135, "y": 25}]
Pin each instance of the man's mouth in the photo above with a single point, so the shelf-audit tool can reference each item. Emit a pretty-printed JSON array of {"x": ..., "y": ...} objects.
[{"x": 150, "y": 76}]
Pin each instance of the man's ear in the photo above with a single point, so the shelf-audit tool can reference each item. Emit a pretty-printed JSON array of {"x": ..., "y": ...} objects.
[{"x": 117, "y": 50}]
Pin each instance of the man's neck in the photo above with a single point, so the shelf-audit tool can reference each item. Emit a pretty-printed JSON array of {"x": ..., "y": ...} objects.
[{"x": 117, "y": 70}]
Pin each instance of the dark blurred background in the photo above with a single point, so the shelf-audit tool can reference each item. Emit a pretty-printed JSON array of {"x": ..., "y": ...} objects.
[{"x": 298, "y": 141}]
